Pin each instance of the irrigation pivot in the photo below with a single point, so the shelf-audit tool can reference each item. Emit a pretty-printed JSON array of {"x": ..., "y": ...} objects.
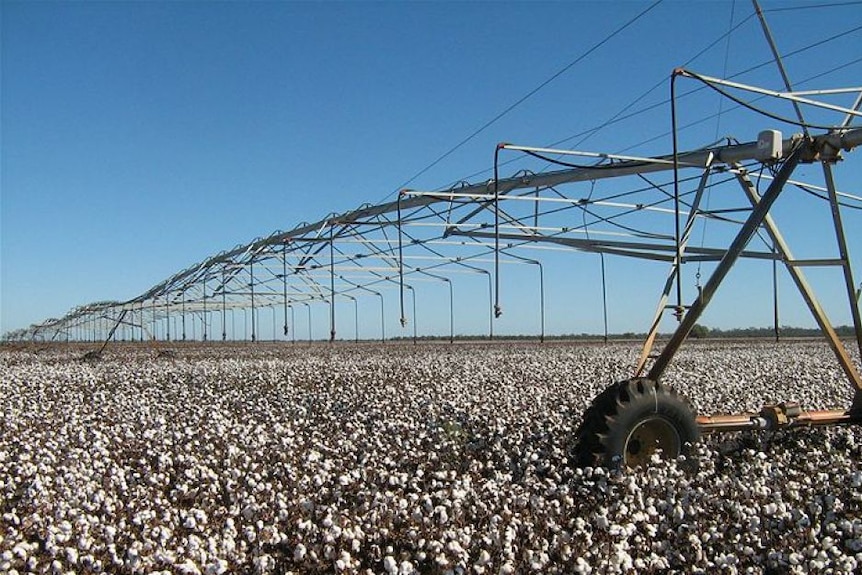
[{"x": 374, "y": 255}]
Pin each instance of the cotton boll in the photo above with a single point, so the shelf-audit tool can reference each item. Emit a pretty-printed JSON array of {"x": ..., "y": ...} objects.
[
  {"x": 299, "y": 552},
  {"x": 217, "y": 567},
  {"x": 484, "y": 558},
  {"x": 187, "y": 568}
]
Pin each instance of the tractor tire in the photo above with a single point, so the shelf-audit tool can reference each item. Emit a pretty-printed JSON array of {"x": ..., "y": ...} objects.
[{"x": 630, "y": 421}]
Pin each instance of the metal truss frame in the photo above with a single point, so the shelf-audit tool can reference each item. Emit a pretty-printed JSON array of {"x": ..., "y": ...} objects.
[{"x": 480, "y": 228}]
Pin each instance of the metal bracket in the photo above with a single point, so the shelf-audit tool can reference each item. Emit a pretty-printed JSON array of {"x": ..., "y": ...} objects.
[{"x": 781, "y": 414}]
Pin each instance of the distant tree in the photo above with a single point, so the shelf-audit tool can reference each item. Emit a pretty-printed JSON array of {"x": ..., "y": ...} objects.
[{"x": 699, "y": 331}]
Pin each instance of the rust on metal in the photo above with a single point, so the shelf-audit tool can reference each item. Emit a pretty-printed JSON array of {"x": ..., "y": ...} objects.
[{"x": 774, "y": 417}]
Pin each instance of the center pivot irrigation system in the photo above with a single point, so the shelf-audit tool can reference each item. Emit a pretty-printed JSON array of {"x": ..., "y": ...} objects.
[{"x": 608, "y": 204}]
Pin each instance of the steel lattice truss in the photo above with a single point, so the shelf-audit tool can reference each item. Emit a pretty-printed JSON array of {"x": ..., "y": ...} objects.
[{"x": 645, "y": 208}]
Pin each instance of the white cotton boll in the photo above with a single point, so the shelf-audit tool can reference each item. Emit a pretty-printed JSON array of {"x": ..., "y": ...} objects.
[
  {"x": 132, "y": 558},
  {"x": 623, "y": 560},
  {"x": 217, "y": 567},
  {"x": 264, "y": 563},
  {"x": 19, "y": 551},
  {"x": 230, "y": 526},
  {"x": 187, "y": 568},
  {"x": 248, "y": 512},
  {"x": 299, "y": 552},
  {"x": 164, "y": 556},
  {"x": 389, "y": 565},
  {"x": 228, "y": 546},
  {"x": 200, "y": 516},
  {"x": 65, "y": 531},
  {"x": 343, "y": 562},
  {"x": 581, "y": 566},
  {"x": 84, "y": 543},
  {"x": 506, "y": 568}
]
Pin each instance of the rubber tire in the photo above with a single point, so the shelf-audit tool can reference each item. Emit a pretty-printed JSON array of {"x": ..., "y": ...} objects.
[
  {"x": 588, "y": 447},
  {"x": 630, "y": 408}
]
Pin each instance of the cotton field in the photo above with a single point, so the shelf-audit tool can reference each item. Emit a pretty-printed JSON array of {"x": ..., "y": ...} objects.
[{"x": 401, "y": 459}]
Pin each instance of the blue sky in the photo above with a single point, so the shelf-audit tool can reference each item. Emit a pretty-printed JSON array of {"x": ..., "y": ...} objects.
[{"x": 141, "y": 137}]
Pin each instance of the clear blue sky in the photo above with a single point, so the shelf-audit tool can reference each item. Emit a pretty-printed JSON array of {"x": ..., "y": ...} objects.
[{"x": 141, "y": 137}]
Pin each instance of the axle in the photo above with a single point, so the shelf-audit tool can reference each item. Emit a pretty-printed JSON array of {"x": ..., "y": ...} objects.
[{"x": 774, "y": 417}]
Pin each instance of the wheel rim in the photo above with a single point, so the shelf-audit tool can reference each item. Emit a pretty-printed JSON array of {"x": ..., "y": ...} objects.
[{"x": 649, "y": 436}]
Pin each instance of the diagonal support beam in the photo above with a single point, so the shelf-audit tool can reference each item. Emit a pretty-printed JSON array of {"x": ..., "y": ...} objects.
[
  {"x": 805, "y": 290},
  {"x": 849, "y": 282},
  {"x": 749, "y": 228}
]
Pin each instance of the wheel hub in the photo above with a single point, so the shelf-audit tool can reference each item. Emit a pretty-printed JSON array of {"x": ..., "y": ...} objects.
[{"x": 648, "y": 436}]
